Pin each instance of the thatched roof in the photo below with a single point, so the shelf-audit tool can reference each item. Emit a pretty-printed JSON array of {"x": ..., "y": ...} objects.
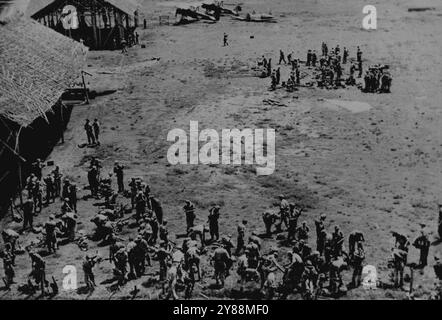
[
  {"x": 127, "y": 6},
  {"x": 43, "y": 7},
  {"x": 37, "y": 64}
]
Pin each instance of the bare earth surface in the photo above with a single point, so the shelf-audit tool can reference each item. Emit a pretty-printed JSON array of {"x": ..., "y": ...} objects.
[{"x": 374, "y": 167}]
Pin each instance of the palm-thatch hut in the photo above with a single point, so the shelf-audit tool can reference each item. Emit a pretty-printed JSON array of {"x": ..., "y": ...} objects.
[
  {"x": 37, "y": 65},
  {"x": 101, "y": 24}
]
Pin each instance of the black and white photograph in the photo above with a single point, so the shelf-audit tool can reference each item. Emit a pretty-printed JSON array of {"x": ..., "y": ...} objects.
[{"x": 238, "y": 151}]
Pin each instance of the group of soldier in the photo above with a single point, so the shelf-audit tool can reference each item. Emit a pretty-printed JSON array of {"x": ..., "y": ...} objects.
[
  {"x": 377, "y": 79},
  {"x": 330, "y": 68},
  {"x": 310, "y": 271},
  {"x": 92, "y": 132}
]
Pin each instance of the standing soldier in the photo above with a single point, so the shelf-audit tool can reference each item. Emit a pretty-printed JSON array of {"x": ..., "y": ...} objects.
[
  {"x": 96, "y": 127},
  {"x": 240, "y": 244},
  {"x": 289, "y": 59},
  {"x": 338, "y": 241},
  {"x": 314, "y": 58},
  {"x": 282, "y": 57},
  {"x": 357, "y": 259},
  {"x": 89, "y": 278},
  {"x": 70, "y": 220},
  {"x": 273, "y": 81},
  {"x": 213, "y": 223},
  {"x": 28, "y": 213},
  {"x": 284, "y": 210},
  {"x": 309, "y": 58},
  {"x": 10, "y": 238},
  {"x": 8, "y": 265},
  {"x": 65, "y": 189},
  {"x": 163, "y": 256},
  {"x": 189, "y": 210},
  {"x": 57, "y": 180},
  {"x": 297, "y": 76},
  {"x": 89, "y": 132},
  {"x": 120, "y": 260},
  {"x": 37, "y": 196},
  {"x": 38, "y": 272},
  {"x": 51, "y": 234},
  {"x": 119, "y": 173},
  {"x": 131, "y": 257},
  {"x": 37, "y": 168},
  {"x": 164, "y": 233},
  {"x": 360, "y": 69},
  {"x": 114, "y": 247},
  {"x": 93, "y": 181},
  {"x": 141, "y": 256},
  {"x": 320, "y": 233},
  {"x": 345, "y": 56},
  {"x": 133, "y": 191},
  {"x": 153, "y": 222},
  {"x": 73, "y": 196},
  {"x": 359, "y": 54},
  {"x": 269, "y": 67},
  {"x": 278, "y": 76},
  {"x": 293, "y": 222},
  {"x": 140, "y": 205},
  {"x": 423, "y": 244},
  {"x": 172, "y": 277},
  {"x": 225, "y": 40},
  {"x": 354, "y": 237},
  {"x": 324, "y": 49},
  {"x": 222, "y": 262},
  {"x": 50, "y": 188}
]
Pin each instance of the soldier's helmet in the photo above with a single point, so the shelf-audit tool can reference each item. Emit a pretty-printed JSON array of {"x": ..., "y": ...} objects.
[
  {"x": 323, "y": 216},
  {"x": 281, "y": 196}
]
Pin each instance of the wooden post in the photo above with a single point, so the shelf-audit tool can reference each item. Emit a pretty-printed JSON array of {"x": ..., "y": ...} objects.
[
  {"x": 85, "y": 88},
  {"x": 62, "y": 121},
  {"x": 118, "y": 28},
  {"x": 20, "y": 182}
]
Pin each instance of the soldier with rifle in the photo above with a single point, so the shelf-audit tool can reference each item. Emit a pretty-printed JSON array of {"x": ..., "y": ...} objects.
[
  {"x": 88, "y": 265},
  {"x": 189, "y": 210}
]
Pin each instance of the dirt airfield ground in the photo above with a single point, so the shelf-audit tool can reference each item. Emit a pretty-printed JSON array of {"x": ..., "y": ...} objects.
[{"x": 377, "y": 170}]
